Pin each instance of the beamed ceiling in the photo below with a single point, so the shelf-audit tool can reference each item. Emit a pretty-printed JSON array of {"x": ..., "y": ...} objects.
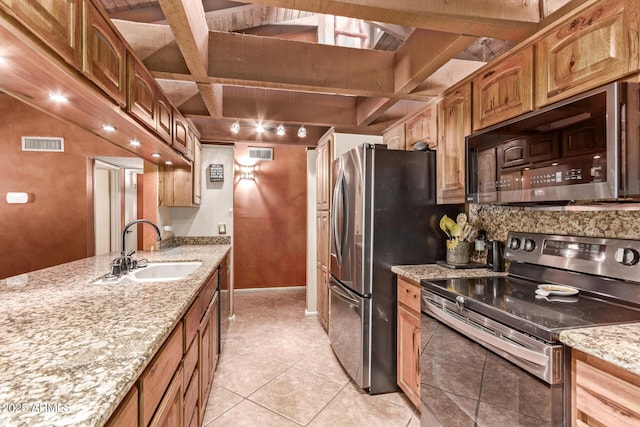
[{"x": 356, "y": 65}]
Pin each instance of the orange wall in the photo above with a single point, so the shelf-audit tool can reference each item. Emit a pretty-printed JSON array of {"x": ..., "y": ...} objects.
[
  {"x": 56, "y": 227},
  {"x": 269, "y": 220}
]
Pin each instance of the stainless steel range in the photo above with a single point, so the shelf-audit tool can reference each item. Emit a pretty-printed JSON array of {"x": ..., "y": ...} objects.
[{"x": 490, "y": 349}]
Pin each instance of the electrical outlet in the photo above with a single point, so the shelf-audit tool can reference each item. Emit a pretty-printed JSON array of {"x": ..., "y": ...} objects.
[{"x": 222, "y": 228}]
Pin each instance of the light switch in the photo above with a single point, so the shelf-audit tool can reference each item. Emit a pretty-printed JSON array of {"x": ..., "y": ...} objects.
[{"x": 222, "y": 228}]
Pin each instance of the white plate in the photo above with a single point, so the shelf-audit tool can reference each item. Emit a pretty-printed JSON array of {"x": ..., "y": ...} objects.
[{"x": 561, "y": 290}]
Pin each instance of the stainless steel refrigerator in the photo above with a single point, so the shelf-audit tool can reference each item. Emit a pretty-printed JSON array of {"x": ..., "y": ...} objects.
[{"x": 384, "y": 213}]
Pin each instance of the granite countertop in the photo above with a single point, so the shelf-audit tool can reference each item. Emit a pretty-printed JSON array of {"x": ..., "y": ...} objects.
[
  {"x": 616, "y": 344},
  {"x": 434, "y": 271},
  {"x": 70, "y": 350}
]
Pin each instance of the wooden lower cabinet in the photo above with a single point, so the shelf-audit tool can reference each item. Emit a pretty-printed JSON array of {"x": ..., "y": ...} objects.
[
  {"x": 603, "y": 394},
  {"x": 173, "y": 390},
  {"x": 408, "y": 352}
]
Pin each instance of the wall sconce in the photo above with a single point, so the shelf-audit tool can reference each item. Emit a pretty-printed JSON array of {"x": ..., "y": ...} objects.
[
  {"x": 235, "y": 127},
  {"x": 302, "y": 132},
  {"x": 247, "y": 172}
]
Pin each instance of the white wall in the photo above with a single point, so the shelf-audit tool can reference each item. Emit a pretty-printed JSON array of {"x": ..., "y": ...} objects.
[
  {"x": 346, "y": 141},
  {"x": 217, "y": 198}
]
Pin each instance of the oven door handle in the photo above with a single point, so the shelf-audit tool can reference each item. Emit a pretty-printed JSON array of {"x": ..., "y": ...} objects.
[{"x": 493, "y": 341}]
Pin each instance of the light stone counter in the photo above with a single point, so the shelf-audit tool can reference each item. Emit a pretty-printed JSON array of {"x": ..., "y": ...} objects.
[
  {"x": 617, "y": 344},
  {"x": 70, "y": 350},
  {"x": 434, "y": 271}
]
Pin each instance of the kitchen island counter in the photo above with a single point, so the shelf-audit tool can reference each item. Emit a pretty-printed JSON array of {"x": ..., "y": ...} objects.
[
  {"x": 616, "y": 344},
  {"x": 434, "y": 271},
  {"x": 71, "y": 349}
]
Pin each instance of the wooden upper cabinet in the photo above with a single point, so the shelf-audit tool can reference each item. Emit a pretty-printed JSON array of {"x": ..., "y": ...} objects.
[
  {"x": 323, "y": 173},
  {"x": 104, "y": 60},
  {"x": 180, "y": 132},
  {"x": 191, "y": 143},
  {"x": 164, "y": 117},
  {"x": 587, "y": 51},
  {"x": 504, "y": 90},
  {"x": 422, "y": 128},
  {"x": 141, "y": 96},
  {"x": 58, "y": 23},
  {"x": 454, "y": 124},
  {"x": 394, "y": 138}
]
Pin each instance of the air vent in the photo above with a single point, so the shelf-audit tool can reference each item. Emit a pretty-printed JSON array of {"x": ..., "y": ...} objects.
[
  {"x": 42, "y": 143},
  {"x": 260, "y": 153}
]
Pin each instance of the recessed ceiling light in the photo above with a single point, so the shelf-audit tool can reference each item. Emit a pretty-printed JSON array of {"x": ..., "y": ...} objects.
[
  {"x": 135, "y": 143},
  {"x": 155, "y": 155},
  {"x": 260, "y": 128},
  {"x": 168, "y": 162},
  {"x": 280, "y": 130},
  {"x": 108, "y": 127},
  {"x": 235, "y": 127},
  {"x": 58, "y": 98},
  {"x": 3, "y": 59}
]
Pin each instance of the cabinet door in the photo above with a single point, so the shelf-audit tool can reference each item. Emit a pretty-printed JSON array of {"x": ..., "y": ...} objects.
[
  {"x": 56, "y": 22},
  {"x": 586, "y": 51},
  {"x": 323, "y": 295},
  {"x": 323, "y": 174},
  {"x": 170, "y": 411},
  {"x": 197, "y": 172},
  {"x": 104, "y": 60},
  {"x": 454, "y": 125},
  {"x": 180, "y": 130},
  {"x": 394, "y": 138},
  {"x": 141, "y": 92},
  {"x": 191, "y": 143},
  {"x": 322, "y": 225},
  {"x": 504, "y": 90},
  {"x": 422, "y": 128},
  {"x": 127, "y": 413},
  {"x": 409, "y": 353},
  {"x": 205, "y": 359},
  {"x": 164, "y": 117}
]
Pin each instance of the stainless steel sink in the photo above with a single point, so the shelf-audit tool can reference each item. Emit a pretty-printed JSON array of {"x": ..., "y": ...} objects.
[{"x": 164, "y": 271}]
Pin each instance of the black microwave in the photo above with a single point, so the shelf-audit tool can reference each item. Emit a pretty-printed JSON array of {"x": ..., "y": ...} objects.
[{"x": 583, "y": 148}]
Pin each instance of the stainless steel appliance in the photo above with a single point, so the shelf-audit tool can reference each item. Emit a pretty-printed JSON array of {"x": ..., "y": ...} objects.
[
  {"x": 583, "y": 148},
  {"x": 383, "y": 214},
  {"x": 490, "y": 348}
]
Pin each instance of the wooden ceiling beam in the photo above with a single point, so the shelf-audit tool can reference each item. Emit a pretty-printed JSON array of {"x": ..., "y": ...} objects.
[
  {"x": 422, "y": 54},
  {"x": 507, "y": 19},
  {"x": 187, "y": 21},
  {"x": 288, "y": 107}
]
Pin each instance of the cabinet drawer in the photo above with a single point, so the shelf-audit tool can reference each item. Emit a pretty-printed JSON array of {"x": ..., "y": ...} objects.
[
  {"x": 409, "y": 294},
  {"x": 190, "y": 361},
  {"x": 170, "y": 410},
  {"x": 127, "y": 413},
  {"x": 191, "y": 399},
  {"x": 156, "y": 378}
]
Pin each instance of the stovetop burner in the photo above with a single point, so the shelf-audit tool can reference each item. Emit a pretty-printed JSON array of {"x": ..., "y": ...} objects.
[
  {"x": 604, "y": 270},
  {"x": 513, "y": 301}
]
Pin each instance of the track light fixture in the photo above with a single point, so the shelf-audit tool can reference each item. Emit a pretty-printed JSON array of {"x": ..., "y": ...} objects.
[
  {"x": 302, "y": 132},
  {"x": 260, "y": 128},
  {"x": 235, "y": 127},
  {"x": 280, "y": 130}
]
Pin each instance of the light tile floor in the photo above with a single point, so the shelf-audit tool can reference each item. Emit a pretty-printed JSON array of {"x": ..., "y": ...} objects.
[{"x": 277, "y": 369}]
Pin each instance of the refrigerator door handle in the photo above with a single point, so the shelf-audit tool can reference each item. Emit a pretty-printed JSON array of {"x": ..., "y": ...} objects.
[
  {"x": 339, "y": 236},
  {"x": 344, "y": 295}
]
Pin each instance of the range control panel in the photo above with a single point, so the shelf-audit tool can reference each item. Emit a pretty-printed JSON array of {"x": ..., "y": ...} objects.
[{"x": 615, "y": 258}]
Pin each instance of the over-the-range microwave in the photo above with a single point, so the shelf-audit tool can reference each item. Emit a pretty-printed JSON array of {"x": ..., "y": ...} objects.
[{"x": 583, "y": 148}]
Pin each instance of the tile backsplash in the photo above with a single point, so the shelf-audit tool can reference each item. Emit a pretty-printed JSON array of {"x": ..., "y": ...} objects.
[{"x": 499, "y": 220}]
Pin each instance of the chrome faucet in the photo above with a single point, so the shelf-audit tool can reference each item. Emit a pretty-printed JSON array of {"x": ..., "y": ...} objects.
[{"x": 124, "y": 263}]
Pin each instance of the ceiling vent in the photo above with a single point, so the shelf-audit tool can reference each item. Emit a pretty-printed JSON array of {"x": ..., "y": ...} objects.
[
  {"x": 42, "y": 143},
  {"x": 260, "y": 153}
]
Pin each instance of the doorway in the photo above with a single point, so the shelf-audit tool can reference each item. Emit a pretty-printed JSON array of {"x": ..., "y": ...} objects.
[{"x": 115, "y": 202}]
